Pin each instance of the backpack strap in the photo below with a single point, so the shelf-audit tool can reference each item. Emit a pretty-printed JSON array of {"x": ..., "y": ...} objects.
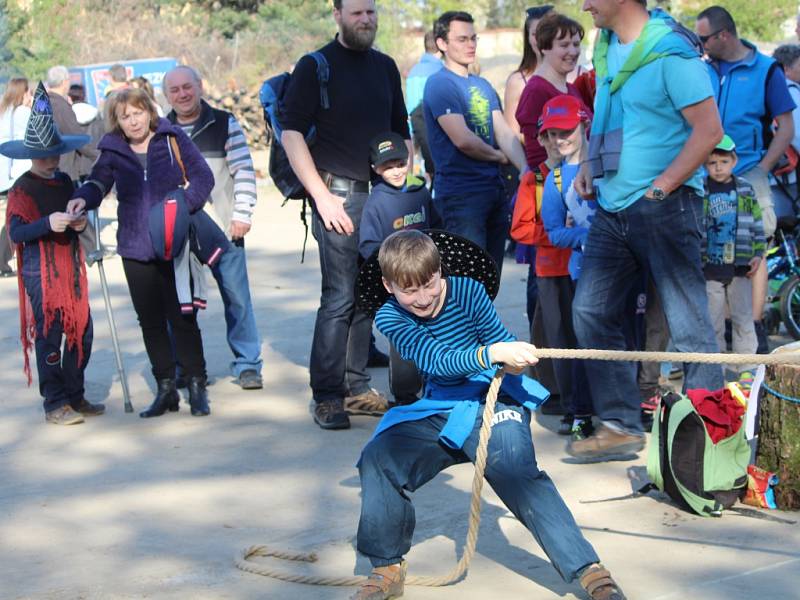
[
  {"x": 323, "y": 76},
  {"x": 177, "y": 151},
  {"x": 557, "y": 179}
]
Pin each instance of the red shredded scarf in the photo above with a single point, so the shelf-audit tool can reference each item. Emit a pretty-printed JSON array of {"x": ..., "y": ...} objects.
[{"x": 63, "y": 272}]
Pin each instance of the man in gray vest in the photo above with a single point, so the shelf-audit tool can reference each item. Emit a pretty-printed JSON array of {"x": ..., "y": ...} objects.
[{"x": 220, "y": 139}]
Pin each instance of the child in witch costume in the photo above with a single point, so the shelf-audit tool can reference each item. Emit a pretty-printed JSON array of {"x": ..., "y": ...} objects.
[
  {"x": 53, "y": 291},
  {"x": 449, "y": 328}
]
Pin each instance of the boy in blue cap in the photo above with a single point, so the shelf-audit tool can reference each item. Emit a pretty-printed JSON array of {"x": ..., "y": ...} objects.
[{"x": 53, "y": 290}]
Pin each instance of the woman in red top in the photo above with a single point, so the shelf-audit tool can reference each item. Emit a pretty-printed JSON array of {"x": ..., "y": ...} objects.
[{"x": 559, "y": 40}]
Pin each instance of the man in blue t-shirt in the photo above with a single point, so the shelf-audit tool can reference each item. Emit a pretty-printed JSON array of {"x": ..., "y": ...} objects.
[
  {"x": 465, "y": 124},
  {"x": 655, "y": 121},
  {"x": 751, "y": 93}
]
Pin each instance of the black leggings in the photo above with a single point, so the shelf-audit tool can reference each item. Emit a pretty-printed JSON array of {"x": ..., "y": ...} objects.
[{"x": 152, "y": 288}]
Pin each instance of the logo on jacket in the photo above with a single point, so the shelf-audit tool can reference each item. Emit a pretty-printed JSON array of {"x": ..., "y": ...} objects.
[{"x": 409, "y": 220}]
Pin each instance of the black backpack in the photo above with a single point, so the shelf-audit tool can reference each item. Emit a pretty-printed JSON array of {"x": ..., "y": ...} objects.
[{"x": 271, "y": 95}]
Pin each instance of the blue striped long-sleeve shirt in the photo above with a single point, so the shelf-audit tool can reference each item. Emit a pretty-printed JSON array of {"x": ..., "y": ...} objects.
[{"x": 445, "y": 348}]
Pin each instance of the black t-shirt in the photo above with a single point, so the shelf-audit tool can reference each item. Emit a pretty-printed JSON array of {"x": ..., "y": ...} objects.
[{"x": 366, "y": 99}]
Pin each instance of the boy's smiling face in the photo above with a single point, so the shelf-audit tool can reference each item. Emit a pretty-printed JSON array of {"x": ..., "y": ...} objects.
[
  {"x": 566, "y": 141},
  {"x": 393, "y": 172},
  {"x": 423, "y": 301}
]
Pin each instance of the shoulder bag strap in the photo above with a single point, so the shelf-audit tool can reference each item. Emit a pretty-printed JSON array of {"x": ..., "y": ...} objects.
[{"x": 177, "y": 151}]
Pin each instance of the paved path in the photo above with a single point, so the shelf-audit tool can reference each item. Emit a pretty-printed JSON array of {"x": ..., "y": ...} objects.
[{"x": 125, "y": 508}]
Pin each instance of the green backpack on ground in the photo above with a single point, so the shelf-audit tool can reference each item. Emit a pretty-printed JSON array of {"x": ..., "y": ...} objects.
[{"x": 683, "y": 462}]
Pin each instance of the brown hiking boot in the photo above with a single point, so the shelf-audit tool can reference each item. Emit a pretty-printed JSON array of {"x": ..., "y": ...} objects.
[
  {"x": 597, "y": 582},
  {"x": 88, "y": 409},
  {"x": 383, "y": 583},
  {"x": 605, "y": 444},
  {"x": 371, "y": 403},
  {"x": 64, "y": 416}
]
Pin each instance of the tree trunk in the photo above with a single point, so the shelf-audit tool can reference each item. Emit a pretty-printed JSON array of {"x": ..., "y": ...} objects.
[{"x": 779, "y": 432}]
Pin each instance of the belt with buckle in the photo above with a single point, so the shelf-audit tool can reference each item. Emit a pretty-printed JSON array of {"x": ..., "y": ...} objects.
[{"x": 344, "y": 185}]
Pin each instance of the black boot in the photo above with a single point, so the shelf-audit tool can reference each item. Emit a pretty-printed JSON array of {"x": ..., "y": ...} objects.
[
  {"x": 167, "y": 399},
  {"x": 198, "y": 399},
  {"x": 761, "y": 337}
]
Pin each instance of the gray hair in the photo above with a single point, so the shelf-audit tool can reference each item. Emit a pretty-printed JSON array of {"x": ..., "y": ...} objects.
[
  {"x": 191, "y": 70},
  {"x": 786, "y": 55},
  {"x": 57, "y": 75}
]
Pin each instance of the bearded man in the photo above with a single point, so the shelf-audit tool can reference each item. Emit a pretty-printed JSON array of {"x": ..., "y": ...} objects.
[{"x": 365, "y": 100}]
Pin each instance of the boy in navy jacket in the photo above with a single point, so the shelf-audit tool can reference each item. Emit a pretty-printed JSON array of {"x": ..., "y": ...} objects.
[{"x": 394, "y": 204}]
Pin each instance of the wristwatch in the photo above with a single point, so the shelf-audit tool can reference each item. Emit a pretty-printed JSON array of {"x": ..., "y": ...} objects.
[{"x": 656, "y": 193}]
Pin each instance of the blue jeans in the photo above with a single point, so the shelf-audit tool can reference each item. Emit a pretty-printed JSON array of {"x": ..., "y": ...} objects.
[
  {"x": 243, "y": 338},
  {"x": 481, "y": 216},
  {"x": 60, "y": 374},
  {"x": 662, "y": 238},
  {"x": 408, "y": 455},
  {"x": 340, "y": 347}
]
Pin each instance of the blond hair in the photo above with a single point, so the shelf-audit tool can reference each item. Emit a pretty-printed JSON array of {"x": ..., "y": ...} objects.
[
  {"x": 409, "y": 258},
  {"x": 135, "y": 97}
]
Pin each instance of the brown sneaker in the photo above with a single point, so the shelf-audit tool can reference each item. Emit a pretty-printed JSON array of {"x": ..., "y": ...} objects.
[
  {"x": 383, "y": 583},
  {"x": 87, "y": 409},
  {"x": 597, "y": 582},
  {"x": 64, "y": 416},
  {"x": 605, "y": 444},
  {"x": 371, "y": 403}
]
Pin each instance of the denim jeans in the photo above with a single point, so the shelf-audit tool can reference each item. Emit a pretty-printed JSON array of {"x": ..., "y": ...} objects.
[
  {"x": 60, "y": 374},
  {"x": 408, "y": 455},
  {"x": 481, "y": 216},
  {"x": 340, "y": 347},
  {"x": 663, "y": 238},
  {"x": 243, "y": 338}
]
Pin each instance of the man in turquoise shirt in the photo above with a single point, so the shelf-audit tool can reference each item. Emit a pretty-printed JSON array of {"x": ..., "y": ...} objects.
[{"x": 655, "y": 123}]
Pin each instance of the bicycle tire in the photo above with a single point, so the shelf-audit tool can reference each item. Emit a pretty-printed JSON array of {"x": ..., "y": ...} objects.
[{"x": 790, "y": 306}]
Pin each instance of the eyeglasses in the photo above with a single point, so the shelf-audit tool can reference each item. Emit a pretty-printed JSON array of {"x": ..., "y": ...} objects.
[
  {"x": 463, "y": 39},
  {"x": 705, "y": 38},
  {"x": 537, "y": 12}
]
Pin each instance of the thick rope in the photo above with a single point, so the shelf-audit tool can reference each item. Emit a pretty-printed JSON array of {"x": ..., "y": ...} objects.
[
  {"x": 242, "y": 560},
  {"x": 778, "y": 358}
]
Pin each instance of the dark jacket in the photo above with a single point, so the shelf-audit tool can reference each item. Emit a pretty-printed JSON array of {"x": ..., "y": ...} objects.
[
  {"x": 389, "y": 209},
  {"x": 138, "y": 190},
  {"x": 67, "y": 124}
]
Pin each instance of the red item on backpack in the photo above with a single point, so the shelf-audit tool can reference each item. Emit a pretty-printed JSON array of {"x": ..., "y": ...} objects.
[{"x": 721, "y": 412}]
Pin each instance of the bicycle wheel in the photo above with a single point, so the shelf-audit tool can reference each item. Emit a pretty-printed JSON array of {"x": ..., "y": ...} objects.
[{"x": 790, "y": 306}]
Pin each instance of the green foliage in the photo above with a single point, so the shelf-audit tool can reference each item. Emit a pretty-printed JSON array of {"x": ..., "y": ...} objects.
[
  {"x": 36, "y": 37},
  {"x": 760, "y": 20}
]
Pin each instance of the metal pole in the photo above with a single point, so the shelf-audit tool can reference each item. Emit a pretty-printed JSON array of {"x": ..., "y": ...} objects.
[{"x": 98, "y": 256}]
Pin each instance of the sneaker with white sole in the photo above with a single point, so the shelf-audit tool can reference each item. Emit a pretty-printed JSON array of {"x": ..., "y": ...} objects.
[{"x": 65, "y": 415}]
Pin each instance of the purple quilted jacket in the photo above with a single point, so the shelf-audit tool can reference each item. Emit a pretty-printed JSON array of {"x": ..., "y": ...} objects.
[{"x": 139, "y": 189}]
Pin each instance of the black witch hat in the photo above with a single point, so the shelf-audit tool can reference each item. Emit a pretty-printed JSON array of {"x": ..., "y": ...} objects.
[{"x": 42, "y": 138}]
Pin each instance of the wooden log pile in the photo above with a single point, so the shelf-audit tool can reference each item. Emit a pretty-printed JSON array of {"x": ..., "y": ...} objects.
[
  {"x": 245, "y": 106},
  {"x": 779, "y": 433}
]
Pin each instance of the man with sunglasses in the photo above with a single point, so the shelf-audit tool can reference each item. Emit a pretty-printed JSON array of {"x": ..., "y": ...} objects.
[
  {"x": 465, "y": 126},
  {"x": 751, "y": 93}
]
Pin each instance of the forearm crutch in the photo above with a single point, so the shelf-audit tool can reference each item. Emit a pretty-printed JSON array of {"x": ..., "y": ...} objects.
[{"x": 98, "y": 257}]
